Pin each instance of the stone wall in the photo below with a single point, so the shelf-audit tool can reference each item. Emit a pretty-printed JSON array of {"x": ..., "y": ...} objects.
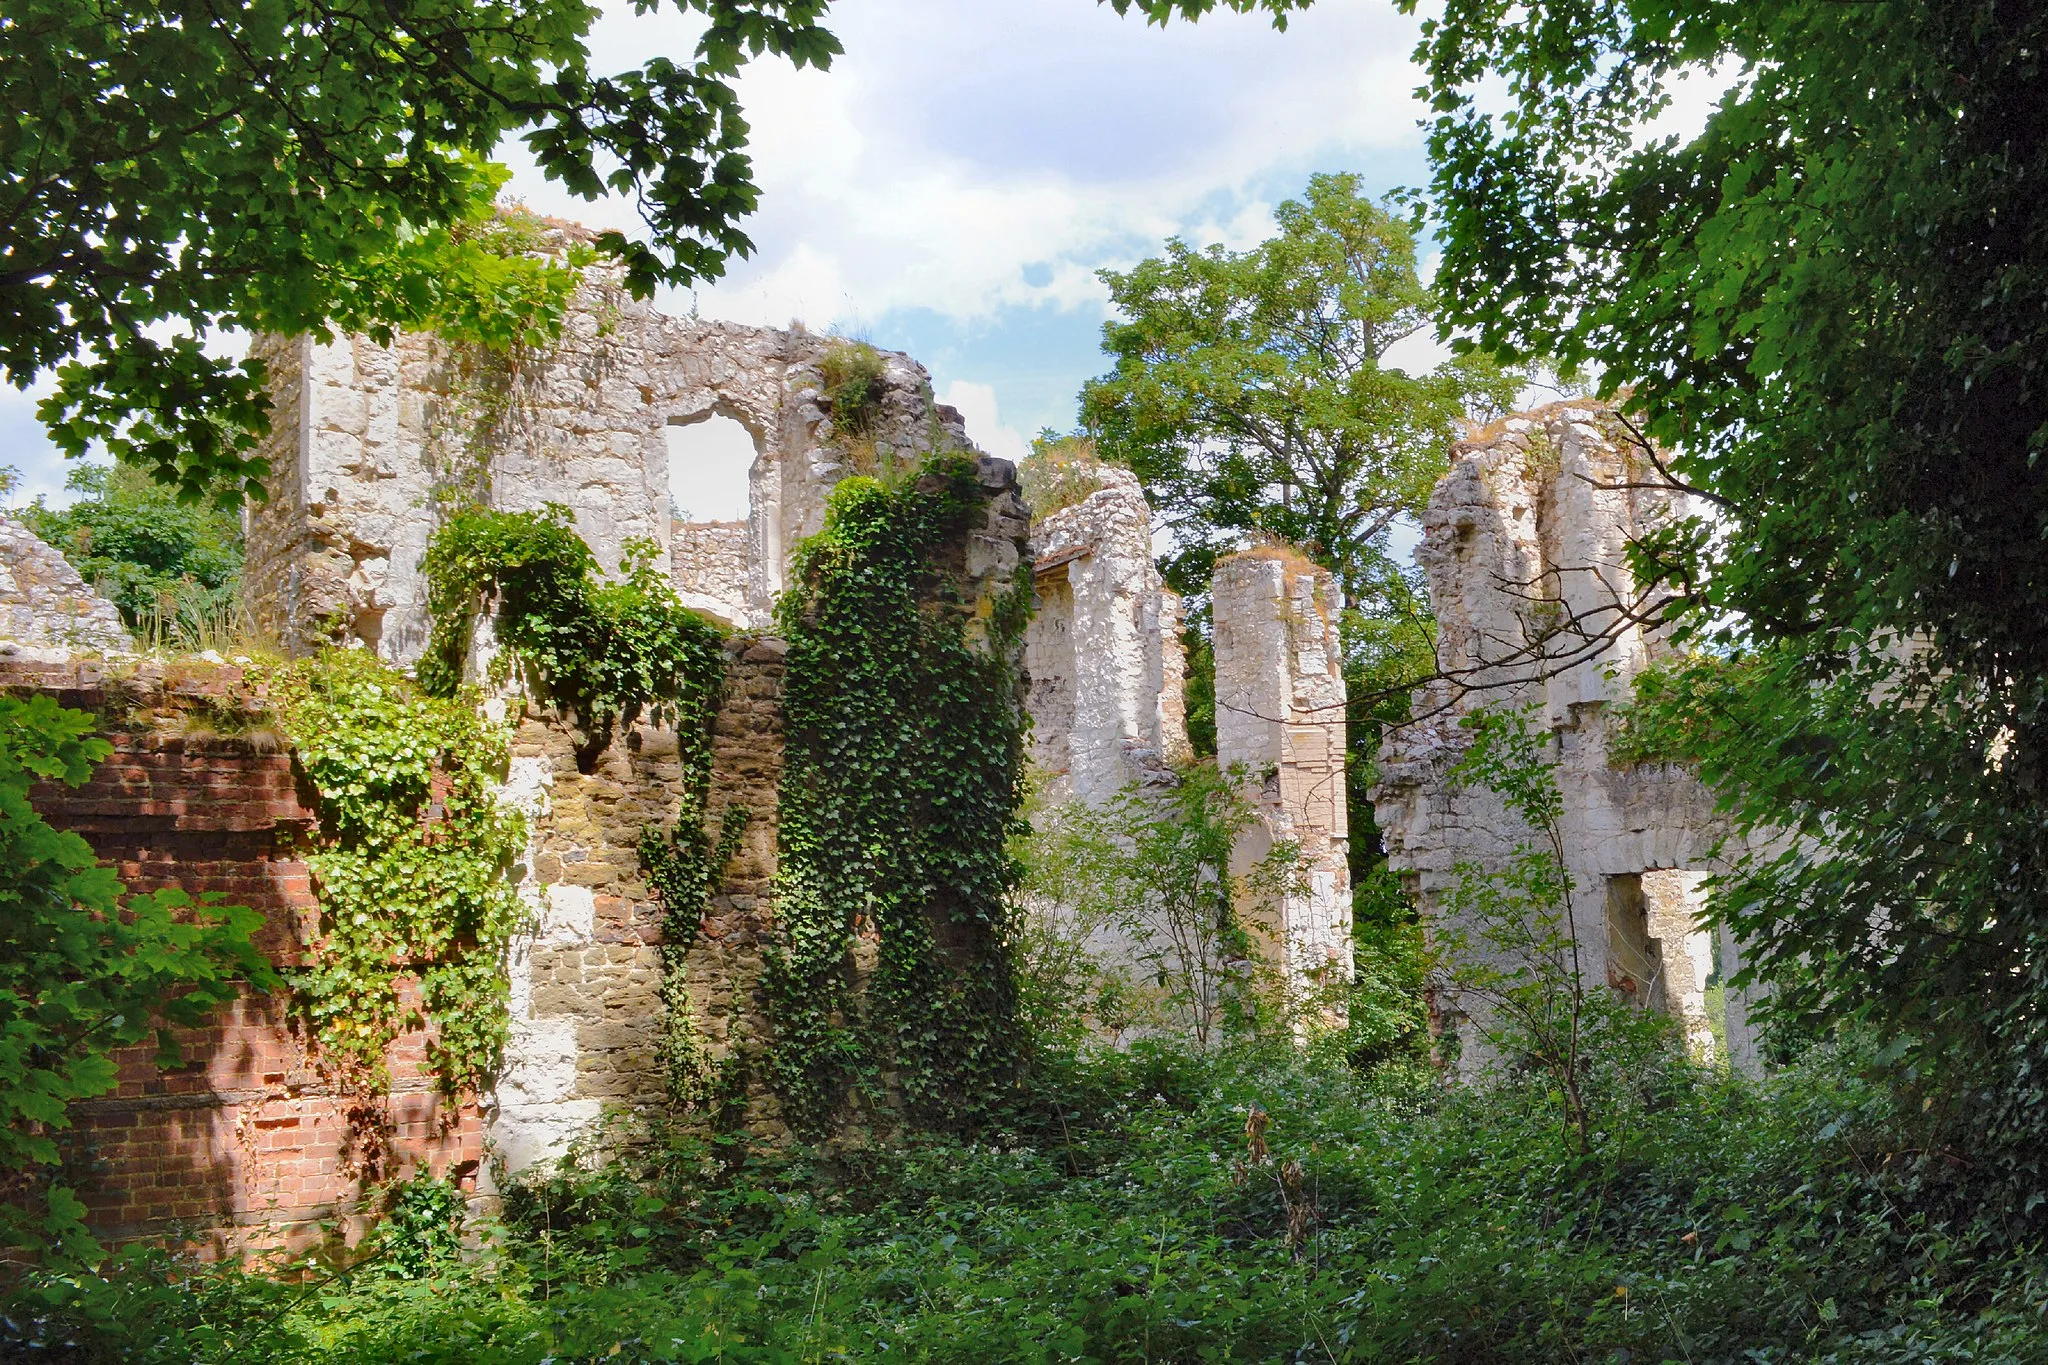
[
  {"x": 43, "y": 601},
  {"x": 1280, "y": 713},
  {"x": 586, "y": 984},
  {"x": 711, "y": 565},
  {"x": 1525, "y": 547},
  {"x": 372, "y": 445},
  {"x": 246, "y": 1146}
]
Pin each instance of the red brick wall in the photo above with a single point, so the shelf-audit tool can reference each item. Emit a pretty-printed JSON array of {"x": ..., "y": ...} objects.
[{"x": 246, "y": 1146}]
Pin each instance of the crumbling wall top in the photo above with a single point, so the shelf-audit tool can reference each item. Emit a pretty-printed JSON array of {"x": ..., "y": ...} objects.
[{"x": 45, "y": 604}]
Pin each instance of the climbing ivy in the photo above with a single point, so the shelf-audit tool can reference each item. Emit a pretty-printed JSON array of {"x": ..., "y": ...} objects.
[
  {"x": 686, "y": 868},
  {"x": 901, "y": 780},
  {"x": 410, "y": 869},
  {"x": 605, "y": 653}
]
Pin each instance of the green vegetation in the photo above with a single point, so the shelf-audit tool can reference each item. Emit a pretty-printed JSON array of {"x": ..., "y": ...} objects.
[
  {"x": 1060, "y": 472},
  {"x": 410, "y": 869},
  {"x": 328, "y": 176},
  {"x": 605, "y": 652},
  {"x": 1152, "y": 867},
  {"x": 901, "y": 775},
  {"x": 852, "y": 373},
  {"x": 173, "y": 567},
  {"x": 85, "y": 969},
  {"x": 1247, "y": 1205},
  {"x": 1829, "y": 302},
  {"x": 1251, "y": 396}
]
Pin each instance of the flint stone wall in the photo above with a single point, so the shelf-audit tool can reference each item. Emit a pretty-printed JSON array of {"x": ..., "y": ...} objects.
[
  {"x": 44, "y": 603},
  {"x": 1527, "y": 533},
  {"x": 711, "y": 565},
  {"x": 371, "y": 446},
  {"x": 1108, "y": 671}
]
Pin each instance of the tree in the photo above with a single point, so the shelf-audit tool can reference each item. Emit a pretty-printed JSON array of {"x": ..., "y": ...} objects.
[
  {"x": 132, "y": 539},
  {"x": 177, "y": 167},
  {"x": 83, "y": 973},
  {"x": 1832, "y": 302},
  {"x": 1250, "y": 396},
  {"x": 1151, "y": 867}
]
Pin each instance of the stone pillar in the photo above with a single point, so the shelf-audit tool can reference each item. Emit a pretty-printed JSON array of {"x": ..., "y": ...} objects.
[
  {"x": 1280, "y": 713},
  {"x": 1104, "y": 649}
]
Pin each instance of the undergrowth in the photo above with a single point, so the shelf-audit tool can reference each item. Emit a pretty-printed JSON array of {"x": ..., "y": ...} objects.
[{"x": 1160, "y": 1206}]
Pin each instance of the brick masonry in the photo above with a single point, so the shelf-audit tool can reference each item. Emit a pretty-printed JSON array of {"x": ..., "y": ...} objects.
[{"x": 246, "y": 1146}]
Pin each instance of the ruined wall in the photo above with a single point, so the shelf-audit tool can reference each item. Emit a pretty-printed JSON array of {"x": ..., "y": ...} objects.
[
  {"x": 45, "y": 604},
  {"x": 372, "y": 445},
  {"x": 586, "y": 983},
  {"x": 1104, "y": 652},
  {"x": 1525, "y": 548},
  {"x": 246, "y": 1146},
  {"x": 711, "y": 565},
  {"x": 1280, "y": 713}
]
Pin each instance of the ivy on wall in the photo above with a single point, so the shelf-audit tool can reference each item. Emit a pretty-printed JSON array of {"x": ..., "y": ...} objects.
[
  {"x": 605, "y": 653},
  {"x": 411, "y": 868},
  {"x": 903, "y": 759},
  {"x": 685, "y": 866}
]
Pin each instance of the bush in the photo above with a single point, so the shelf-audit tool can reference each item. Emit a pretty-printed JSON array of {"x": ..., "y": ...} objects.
[{"x": 1243, "y": 1204}]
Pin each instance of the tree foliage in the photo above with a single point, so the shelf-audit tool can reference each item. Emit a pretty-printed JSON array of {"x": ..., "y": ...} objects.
[
  {"x": 1832, "y": 301},
  {"x": 85, "y": 969},
  {"x": 136, "y": 544},
  {"x": 175, "y": 168},
  {"x": 1251, "y": 397},
  {"x": 1149, "y": 870}
]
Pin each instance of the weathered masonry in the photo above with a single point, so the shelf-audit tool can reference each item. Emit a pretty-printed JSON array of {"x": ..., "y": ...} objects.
[
  {"x": 373, "y": 446},
  {"x": 248, "y": 1144},
  {"x": 1109, "y": 705},
  {"x": 1525, "y": 547}
]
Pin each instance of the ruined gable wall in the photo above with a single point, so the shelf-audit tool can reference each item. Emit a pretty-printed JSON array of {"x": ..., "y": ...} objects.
[
  {"x": 1529, "y": 530},
  {"x": 43, "y": 601},
  {"x": 372, "y": 445}
]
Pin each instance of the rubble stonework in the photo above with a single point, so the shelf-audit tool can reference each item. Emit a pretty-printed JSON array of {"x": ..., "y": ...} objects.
[
  {"x": 371, "y": 444},
  {"x": 1525, "y": 548},
  {"x": 1280, "y": 712},
  {"x": 711, "y": 565},
  {"x": 43, "y": 601},
  {"x": 1104, "y": 652},
  {"x": 374, "y": 445}
]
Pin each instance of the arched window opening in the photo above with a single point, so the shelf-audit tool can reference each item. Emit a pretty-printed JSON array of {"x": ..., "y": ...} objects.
[{"x": 709, "y": 464}]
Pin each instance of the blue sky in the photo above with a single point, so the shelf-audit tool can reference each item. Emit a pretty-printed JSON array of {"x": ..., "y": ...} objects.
[{"x": 950, "y": 187}]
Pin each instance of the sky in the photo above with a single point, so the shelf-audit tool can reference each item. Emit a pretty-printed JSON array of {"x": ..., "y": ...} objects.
[{"x": 950, "y": 187}]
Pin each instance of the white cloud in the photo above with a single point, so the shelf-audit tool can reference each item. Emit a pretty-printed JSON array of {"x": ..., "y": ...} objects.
[
  {"x": 977, "y": 405},
  {"x": 966, "y": 158}
]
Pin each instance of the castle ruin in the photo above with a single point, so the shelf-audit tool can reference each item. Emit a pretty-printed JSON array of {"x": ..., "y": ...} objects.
[{"x": 1525, "y": 546}]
